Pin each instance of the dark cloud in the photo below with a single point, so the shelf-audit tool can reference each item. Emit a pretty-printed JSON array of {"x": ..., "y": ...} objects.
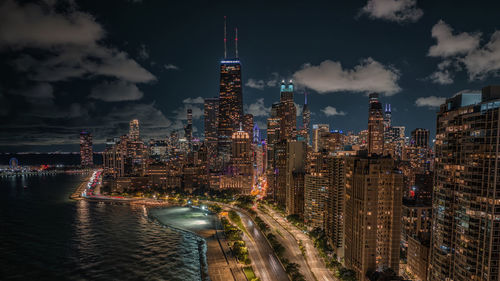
[{"x": 116, "y": 91}]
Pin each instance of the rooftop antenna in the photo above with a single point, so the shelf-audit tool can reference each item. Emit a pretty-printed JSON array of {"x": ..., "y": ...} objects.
[
  {"x": 225, "y": 39},
  {"x": 236, "y": 41}
]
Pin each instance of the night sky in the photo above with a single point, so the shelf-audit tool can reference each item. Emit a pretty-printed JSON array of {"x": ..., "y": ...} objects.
[{"x": 95, "y": 65}]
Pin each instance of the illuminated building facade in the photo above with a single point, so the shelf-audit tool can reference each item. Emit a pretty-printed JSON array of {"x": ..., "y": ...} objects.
[
  {"x": 306, "y": 120},
  {"x": 375, "y": 126},
  {"x": 86, "y": 154},
  {"x": 295, "y": 170},
  {"x": 372, "y": 224},
  {"x": 211, "y": 112},
  {"x": 466, "y": 205},
  {"x": 420, "y": 138},
  {"x": 318, "y": 130},
  {"x": 287, "y": 112},
  {"x": 230, "y": 105},
  {"x": 134, "y": 130}
]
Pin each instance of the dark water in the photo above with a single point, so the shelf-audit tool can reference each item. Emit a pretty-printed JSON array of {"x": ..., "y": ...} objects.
[{"x": 45, "y": 236}]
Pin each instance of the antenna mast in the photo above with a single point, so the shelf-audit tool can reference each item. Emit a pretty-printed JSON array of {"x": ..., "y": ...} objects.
[
  {"x": 225, "y": 39},
  {"x": 236, "y": 42}
]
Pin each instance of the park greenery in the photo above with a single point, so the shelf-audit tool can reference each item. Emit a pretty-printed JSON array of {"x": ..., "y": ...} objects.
[{"x": 234, "y": 235}]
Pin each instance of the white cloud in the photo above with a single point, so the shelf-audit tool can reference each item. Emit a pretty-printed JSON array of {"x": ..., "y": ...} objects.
[
  {"x": 256, "y": 84},
  {"x": 368, "y": 76},
  {"x": 484, "y": 61},
  {"x": 431, "y": 101},
  {"x": 171, "y": 67},
  {"x": 261, "y": 84},
  {"x": 116, "y": 91},
  {"x": 195, "y": 100},
  {"x": 257, "y": 108},
  {"x": 464, "y": 52},
  {"x": 393, "y": 10},
  {"x": 449, "y": 44},
  {"x": 332, "y": 111}
]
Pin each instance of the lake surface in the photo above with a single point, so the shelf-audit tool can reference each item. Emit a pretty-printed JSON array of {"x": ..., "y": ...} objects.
[{"x": 46, "y": 236}]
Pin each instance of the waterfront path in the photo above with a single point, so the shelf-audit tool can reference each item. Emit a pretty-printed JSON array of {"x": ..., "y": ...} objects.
[{"x": 222, "y": 264}]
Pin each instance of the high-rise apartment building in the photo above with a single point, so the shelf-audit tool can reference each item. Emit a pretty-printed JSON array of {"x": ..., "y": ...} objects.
[
  {"x": 315, "y": 199},
  {"x": 372, "y": 224},
  {"x": 295, "y": 171},
  {"x": 466, "y": 200},
  {"x": 86, "y": 154},
  {"x": 375, "y": 126},
  {"x": 334, "y": 221},
  {"x": 134, "y": 130}
]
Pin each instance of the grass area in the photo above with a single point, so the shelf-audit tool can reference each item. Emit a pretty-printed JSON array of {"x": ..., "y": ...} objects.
[
  {"x": 250, "y": 274},
  {"x": 235, "y": 218}
]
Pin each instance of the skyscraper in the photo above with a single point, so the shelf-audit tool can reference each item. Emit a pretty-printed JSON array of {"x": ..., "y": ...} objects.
[
  {"x": 211, "y": 110},
  {"x": 466, "y": 205},
  {"x": 230, "y": 101},
  {"x": 375, "y": 126},
  {"x": 306, "y": 120},
  {"x": 372, "y": 214},
  {"x": 248, "y": 124},
  {"x": 287, "y": 112},
  {"x": 318, "y": 129},
  {"x": 387, "y": 116},
  {"x": 86, "y": 155},
  {"x": 134, "y": 130},
  {"x": 295, "y": 171},
  {"x": 188, "y": 129}
]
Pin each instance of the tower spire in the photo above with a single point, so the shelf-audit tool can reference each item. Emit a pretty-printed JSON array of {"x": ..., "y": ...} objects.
[
  {"x": 236, "y": 42},
  {"x": 305, "y": 98},
  {"x": 225, "y": 39}
]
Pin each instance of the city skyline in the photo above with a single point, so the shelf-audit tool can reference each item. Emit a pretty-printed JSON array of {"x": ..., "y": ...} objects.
[{"x": 48, "y": 94}]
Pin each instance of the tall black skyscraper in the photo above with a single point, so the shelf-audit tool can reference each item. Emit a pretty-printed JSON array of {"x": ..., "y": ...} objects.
[{"x": 230, "y": 100}]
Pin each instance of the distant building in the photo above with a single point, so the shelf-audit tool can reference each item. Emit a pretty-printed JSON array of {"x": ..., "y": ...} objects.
[
  {"x": 86, "y": 154},
  {"x": 375, "y": 126},
  {"x": 211, "y": 111},
  {"x": 306, "y": 120},
  {"x": 420, "y": 138},
  {"x": 134, "y": 130},
  {"x": 318, "y": 130},
  {"x": 248, "y": 124}
]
